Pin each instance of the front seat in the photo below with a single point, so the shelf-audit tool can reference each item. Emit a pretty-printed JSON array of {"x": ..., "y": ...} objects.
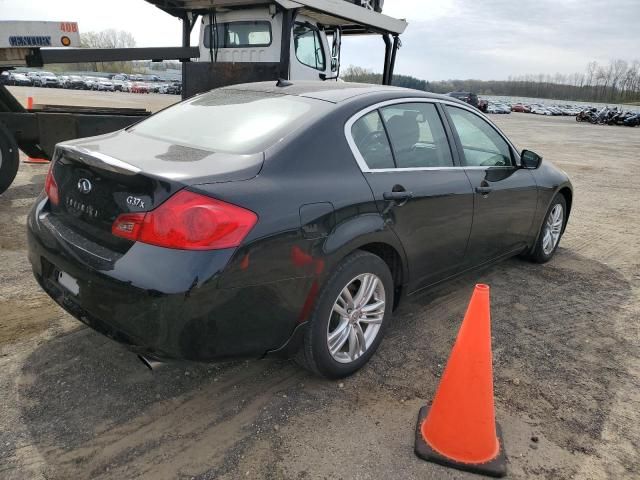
[{"x": 405, "y": 133}]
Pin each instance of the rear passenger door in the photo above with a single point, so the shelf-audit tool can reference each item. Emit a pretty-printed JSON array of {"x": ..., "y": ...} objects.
[{"x": 404, "y": 152}]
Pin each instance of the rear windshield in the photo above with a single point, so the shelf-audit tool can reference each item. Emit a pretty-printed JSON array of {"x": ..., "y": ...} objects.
[{"x": 231, "y": 121}]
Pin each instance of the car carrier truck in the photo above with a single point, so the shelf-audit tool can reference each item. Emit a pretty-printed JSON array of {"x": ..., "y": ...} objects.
[{"x": 240, "y": 41}]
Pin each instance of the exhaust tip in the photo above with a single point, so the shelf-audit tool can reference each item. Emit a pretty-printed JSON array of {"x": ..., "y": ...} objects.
[{"x": 150, "y": 363}]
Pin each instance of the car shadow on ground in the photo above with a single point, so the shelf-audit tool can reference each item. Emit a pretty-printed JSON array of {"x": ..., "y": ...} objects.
[{"x": 90, "y": 405}]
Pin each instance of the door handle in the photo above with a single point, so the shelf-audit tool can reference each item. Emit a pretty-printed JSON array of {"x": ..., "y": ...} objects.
[
  {"x": 484, "y": 190},
  {"x": 400, "y": 198}
]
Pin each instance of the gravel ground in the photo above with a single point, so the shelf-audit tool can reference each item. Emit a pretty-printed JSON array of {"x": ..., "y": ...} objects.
[{"x": 566, "y": 358}]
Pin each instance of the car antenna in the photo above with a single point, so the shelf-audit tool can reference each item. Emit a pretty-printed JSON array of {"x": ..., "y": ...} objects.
[{"x": 283, "y": 83}]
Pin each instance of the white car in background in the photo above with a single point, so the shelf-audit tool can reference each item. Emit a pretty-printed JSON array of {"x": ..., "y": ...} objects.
[
  {"x": 89, "y": 83},
  {"x": 540, "y": 110},
  {"x": 105, "y": 85}
]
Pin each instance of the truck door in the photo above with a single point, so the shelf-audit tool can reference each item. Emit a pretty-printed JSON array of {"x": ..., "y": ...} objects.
[{"x": 309, "y": 52}]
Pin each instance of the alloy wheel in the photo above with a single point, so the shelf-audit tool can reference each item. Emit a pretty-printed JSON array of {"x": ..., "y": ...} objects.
[
  {"x": 552, "y": 229},
  {"x": 356, "y": 318}
]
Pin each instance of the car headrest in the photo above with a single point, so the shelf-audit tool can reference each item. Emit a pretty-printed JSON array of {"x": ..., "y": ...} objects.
[{"x": 404, "y": 131}]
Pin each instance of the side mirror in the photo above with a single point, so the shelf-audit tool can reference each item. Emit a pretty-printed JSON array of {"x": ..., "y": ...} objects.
[
  {"x": 530, "y": 160},
  {"x": 323, "y": 76}
]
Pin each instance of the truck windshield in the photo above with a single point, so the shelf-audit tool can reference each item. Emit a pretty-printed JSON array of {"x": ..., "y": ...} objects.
[
  {"x": 238, "y": 34},
  {"x": 232, "y": 121}
]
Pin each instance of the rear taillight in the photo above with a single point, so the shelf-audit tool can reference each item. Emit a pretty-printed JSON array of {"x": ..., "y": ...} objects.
[
  {"x": 188, "y": 221},
  {"x": 51, "y": 187}
]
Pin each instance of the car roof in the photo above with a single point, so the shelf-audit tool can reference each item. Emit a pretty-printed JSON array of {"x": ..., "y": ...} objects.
[{"x": 334, "y": 92}]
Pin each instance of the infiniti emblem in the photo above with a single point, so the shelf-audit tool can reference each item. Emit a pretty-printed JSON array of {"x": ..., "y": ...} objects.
[{"x": 84, "y": 186}]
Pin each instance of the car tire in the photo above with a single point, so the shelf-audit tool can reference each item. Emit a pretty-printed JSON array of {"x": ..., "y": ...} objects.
[
  {"x": 358, "y": 270},
  {"x": 551, "y": 231},
  {"x": 9, "y": 159}
]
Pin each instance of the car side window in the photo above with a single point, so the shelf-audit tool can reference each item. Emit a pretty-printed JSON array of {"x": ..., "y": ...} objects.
[
  {"x": 417, "y": 135},
  {"x": 482, "y": 145},
  {"x": 308, "y": 46},
  {"x": 372, "y": 142}
]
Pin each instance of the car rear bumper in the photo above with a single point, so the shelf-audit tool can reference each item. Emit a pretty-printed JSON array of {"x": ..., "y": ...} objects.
[{"x": 161, "y": 302}]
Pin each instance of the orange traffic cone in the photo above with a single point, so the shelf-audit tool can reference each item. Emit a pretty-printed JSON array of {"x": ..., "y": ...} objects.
[
  {"x": 29, "y": 103},
  {"x": 459, "y": 429}
]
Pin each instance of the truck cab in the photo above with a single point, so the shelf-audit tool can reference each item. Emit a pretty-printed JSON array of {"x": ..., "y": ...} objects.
[{"x": 255, "y": 36}]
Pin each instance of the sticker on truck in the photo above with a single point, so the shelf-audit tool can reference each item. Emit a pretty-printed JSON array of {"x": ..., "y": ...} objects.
[{"x": 29, "y": 34}]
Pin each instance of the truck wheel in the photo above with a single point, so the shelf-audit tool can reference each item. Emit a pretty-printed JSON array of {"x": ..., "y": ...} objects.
[{"x": 9, "y": 159}]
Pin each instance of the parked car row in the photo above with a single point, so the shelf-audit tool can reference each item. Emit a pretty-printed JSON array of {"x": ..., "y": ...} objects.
[
  {"x": 35, "y": 79},
  {"x": 535, "y": 108},
  {"x": 117, "y": 83},
  {"x": 596, "y": 115},
  {"x": 609, "y": 116},
  {"x": 553, "y": 110}
]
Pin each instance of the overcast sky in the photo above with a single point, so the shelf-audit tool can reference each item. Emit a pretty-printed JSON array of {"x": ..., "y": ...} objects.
[{"x": 485, "y": 39}]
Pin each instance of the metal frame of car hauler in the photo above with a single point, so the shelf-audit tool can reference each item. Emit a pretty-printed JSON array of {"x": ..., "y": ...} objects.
[
  {"x": 36, "y": 131},
  {"x": 339, "y": 16}
]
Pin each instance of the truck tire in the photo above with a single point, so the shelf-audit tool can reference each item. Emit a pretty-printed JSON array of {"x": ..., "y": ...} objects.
[{"x": 9, "y": 159}]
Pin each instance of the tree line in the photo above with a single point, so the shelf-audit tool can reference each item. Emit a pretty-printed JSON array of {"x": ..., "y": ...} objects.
[
  {"x": 615, "y": 82},
  {"x": 109, "y": 38}
]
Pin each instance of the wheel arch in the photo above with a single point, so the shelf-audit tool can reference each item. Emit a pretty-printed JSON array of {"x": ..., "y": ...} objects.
[
  {"x": 567, "y": 193},
  {"x": 392, "y": 258},
  {"x": 369, "y": 233}
]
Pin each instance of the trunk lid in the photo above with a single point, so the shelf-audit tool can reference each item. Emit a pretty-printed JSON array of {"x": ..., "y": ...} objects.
[
  {"x": 160, "y": 158},
  {"x": 100, "y": 178}
]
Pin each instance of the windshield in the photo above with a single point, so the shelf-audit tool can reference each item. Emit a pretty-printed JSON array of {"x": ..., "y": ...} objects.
[{"x": 232, "y": 121}]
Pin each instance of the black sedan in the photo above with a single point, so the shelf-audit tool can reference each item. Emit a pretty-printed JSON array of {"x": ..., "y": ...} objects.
[
  {"x": 285, "y": 218},
  {"x": 75, "y": 82}
]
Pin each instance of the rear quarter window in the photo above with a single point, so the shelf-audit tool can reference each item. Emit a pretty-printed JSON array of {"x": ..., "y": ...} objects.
[{"x": 371, "y": 140}]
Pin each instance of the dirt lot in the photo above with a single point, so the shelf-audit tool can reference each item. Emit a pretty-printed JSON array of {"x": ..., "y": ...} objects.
[{"x": 566, "y": 352}]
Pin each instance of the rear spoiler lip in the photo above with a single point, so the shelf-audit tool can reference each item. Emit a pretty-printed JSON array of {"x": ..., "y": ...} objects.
[{"x": 96, "y": 159}]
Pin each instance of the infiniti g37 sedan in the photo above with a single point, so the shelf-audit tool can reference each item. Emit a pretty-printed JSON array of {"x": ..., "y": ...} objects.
[{"x": 284, "y": 218}]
